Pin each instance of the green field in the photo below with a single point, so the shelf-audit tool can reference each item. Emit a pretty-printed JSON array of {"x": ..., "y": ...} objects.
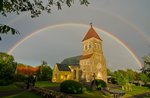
[
  {"x": 87, "y": 93},
  {"x": 92, "y": 94},
  {"x": 137, "y": 90},
  {"x": 26, "y": 94},
  {"x": 9, "y": 87}
]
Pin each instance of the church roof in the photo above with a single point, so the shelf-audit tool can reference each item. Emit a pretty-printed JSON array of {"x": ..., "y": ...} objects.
[
  {"x": 63, "y": 67},
  {"x": 91, "y": 33},
  {"x": 85, "y": 56}
]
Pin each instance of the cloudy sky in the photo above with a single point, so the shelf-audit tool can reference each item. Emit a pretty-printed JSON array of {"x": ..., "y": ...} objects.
[{"x": 124, "y": 26}]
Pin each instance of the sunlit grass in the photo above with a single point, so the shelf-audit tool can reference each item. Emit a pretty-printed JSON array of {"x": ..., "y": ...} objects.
[
  {"x": 137, "y": 90},
  {"x": 92, "y": 94}
]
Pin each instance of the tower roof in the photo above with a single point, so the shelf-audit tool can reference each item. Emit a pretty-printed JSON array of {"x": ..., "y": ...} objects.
[{"x": 91, "y": 33}]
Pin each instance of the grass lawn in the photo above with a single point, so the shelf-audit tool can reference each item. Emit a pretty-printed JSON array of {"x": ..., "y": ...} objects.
[
  {"x": 9, "y": 87},
  {"x": 26, "y": 94},
  {"x": 92, "y": 94},
  {"x": 137, "y": 90},
  {"x": 46, "y": 84}
]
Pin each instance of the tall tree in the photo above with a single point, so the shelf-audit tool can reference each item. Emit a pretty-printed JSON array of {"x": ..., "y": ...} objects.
[
  {"x": 146, "y": 68},
  {"x": 45, "y": 72},
  {"x": 35, "y": 7},
  {"x": 7, "y": 68}
]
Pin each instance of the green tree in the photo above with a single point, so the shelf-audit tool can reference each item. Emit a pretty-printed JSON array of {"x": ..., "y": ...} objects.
[
  {"x": 45, "y": 72},
  {"x": 145, "y": 75},
  {"x": 146, "y": 67},
  {"x": 7, "y": 68},
  {"x": 144, "y": 78},
  {"x": 131, "y": 75},
  {"x": 109, "y": 73},
  {"x": 120, "y": 77},
  {"x": 34, "y": 7}
]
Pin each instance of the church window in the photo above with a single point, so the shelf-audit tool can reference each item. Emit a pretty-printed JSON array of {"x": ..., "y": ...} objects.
[
  {"x": 85, "y": 47},
  {"x": 61, "y": 77},
  {"x": 89, "y": 46},
  {"x": 74, "y": 74},
  {"x": 65, "y": 76}
]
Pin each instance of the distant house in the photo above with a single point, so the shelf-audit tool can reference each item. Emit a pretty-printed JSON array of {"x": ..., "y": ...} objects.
[
  {"x": 63, "y": 72},
  {"x": 92, "y": 63}
]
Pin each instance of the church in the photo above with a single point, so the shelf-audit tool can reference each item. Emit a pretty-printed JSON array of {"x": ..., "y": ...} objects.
[{"x": 92, "y": 63}]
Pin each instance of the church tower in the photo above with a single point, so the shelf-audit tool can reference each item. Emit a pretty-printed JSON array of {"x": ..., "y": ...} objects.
[{"x": 92, "y": 61}]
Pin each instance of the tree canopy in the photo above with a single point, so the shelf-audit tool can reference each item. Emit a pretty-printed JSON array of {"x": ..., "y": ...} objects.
[
  {"x": 7, "y": 68},
  {"x": 34, "y": 7},
  {"x": 146, "y": 67}
]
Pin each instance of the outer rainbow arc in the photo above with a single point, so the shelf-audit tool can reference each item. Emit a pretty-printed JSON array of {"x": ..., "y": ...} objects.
[
  {"x": 122, "y": 19},
  {"x": 82, "y": 25}
]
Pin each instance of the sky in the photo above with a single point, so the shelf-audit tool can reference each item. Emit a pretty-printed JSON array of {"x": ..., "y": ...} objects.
[{"x": 122, "y": 24}]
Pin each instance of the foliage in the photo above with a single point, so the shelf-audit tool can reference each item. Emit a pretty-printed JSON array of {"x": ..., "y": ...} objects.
[
  {"x": 109, "y": 73},
  {"x": 71, "y": 86},
  {"x": 26, "y": 70},
  {"x": 131, "y": 75},
  {"x": 5, "y": 82},
  {"x": 146, "y": 68},
  {"x": 120, "y": 77},
  {"x": 7, "y": 68},
  {"x": 20, "y": 78},
  {"x": 44, "y": 73},
  {"x": 144, "y": 78},
  {"x": 4, "y": 29},
  {"x": 99, "y": 84},
  {"x": 9, "y": 87},
  {"x": 34, "y": 7}
]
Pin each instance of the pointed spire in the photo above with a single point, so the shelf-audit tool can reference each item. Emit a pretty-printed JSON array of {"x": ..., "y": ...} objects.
[
  {"x": 91, "y": 24},
  {"x": 91, "y": 33}
]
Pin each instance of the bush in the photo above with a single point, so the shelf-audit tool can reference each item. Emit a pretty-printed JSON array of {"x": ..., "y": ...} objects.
[
  {"x": 99, "y": 84},
  {"x": 20, "y": 78},
  {"x": 5, "y": 82},
  {"x": 70, "y": 86}
]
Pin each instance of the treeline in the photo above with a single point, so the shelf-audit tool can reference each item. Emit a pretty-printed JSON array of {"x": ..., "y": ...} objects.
[{"x": 11, "y": 71}]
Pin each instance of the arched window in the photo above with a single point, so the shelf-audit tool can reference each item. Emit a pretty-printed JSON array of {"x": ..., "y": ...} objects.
[
  {"x": 74, "y": 74},
  {"x": 85, "y": 47},
  {"x": 89, "y": 46}
]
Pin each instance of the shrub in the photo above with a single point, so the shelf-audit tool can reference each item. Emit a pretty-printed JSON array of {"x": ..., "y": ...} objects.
[
  {"x": 70, "y": 86},
  {"x": 20, "y": 78},
  {"x": 5, "y": 82},
  {"x": 99, "y": 84}
]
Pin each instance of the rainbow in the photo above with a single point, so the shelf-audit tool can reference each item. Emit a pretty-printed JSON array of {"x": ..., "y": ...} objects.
[{"x": 81, "y": 25}]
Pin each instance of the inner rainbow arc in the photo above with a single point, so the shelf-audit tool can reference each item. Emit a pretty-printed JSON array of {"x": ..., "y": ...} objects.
[{"x": 82, "y": 25}]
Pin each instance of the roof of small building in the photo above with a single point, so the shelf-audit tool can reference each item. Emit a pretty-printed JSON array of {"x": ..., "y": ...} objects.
[
  {"x": 85, "y": 56},
  {"x": 65, "y": 67},
  {"x": 91, "y": 33}
]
